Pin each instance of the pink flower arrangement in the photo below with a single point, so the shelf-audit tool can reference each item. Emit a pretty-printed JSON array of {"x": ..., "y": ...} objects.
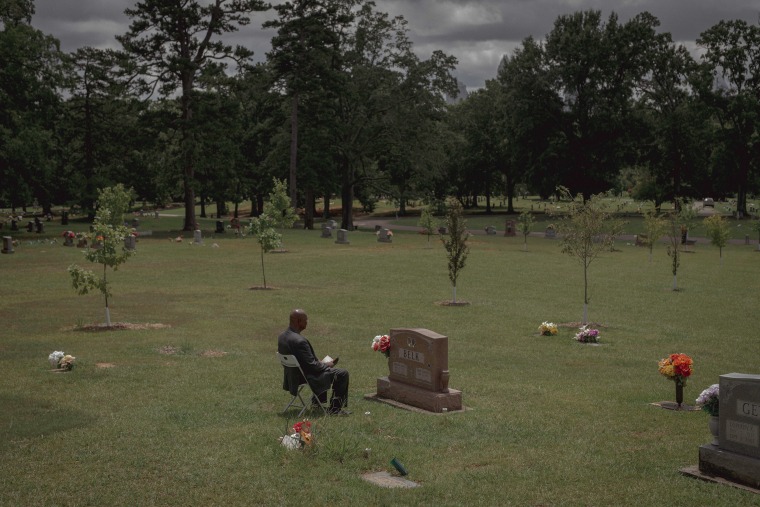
[{"x": 382, "y": 343}]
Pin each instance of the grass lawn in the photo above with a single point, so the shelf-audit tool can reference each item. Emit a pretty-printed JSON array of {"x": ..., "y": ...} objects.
[{"x": 551, "y": 421}]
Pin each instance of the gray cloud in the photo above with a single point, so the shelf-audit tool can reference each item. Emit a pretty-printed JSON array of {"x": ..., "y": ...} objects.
[{"x": 477, "y": 32}]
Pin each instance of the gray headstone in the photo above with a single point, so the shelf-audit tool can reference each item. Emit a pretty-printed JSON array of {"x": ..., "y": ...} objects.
[
  {"x": 491, "y": 230},
  {"x": 385, "y": 236},
  {"x": 7, "y": 245},
  {"x": 326, "y": 231},
  {"x": 740, "y": 414},
  {"x": 550, "y": 233},
  {"x": 342, "y": 237},
  {"x": 130, "y": 242},
  {"x": 197, "y": 237}
]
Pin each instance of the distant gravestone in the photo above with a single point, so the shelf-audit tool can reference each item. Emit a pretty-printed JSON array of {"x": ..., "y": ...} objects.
[
  {"x": 737, "y": 455},
  {"x": 385, "y": 236},
  {"x": 14, "y": 224},
  {"x": 509, "y": 228},
  {"x": 39, "y": 227},
  {"x": 135, "y": 223},
  {"x": 64, "y": 218},
  {"x": 219, "y": 227},
  {"x": 197, "y": 237},
  {"x": 130, "y": 242},
  {"x": 7, "y": 245},
  {"x": 333, "y": 224},
  {"x": 550, "y": 233},
  {"x": 443, "y": 230},
  {"x": 342, "y": 237},
  {"x": 491, "y": 230},
  {"x": 419, "y": 371},
  {"x": 155, "y": 214},
  {"x": 326, "y": 231}
]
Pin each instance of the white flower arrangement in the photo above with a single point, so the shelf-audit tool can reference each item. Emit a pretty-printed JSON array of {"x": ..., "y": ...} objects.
[
  {"x": 55, "y": 358},
  {"x": 61, "y": 360}
]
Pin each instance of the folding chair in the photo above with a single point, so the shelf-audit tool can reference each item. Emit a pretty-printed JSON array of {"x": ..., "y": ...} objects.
[{"x": 290, "y": 361}]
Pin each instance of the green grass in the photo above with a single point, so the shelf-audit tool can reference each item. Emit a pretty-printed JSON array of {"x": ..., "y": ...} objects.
[{"x": 552, "y": 422}]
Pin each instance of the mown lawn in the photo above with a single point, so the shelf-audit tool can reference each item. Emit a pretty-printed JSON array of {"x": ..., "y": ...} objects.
[{"x": 550, "y": 421}]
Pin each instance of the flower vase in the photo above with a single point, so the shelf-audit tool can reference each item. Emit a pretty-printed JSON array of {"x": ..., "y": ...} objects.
[
  {"x": 714, "y": 424},
  {"x": 679, "y": 393}
]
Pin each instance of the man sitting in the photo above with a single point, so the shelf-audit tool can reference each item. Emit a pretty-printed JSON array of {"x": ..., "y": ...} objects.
[{"x": 321, "y": 375}]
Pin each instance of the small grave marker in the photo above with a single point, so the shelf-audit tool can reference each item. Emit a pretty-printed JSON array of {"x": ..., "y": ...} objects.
[
  {"x": 7, "y": 245},
  {"x": 385, "y": 236},
  {"x": 326, "y": 231},
  {"x": 342, "y": 237},
  {"x": 198, "y": 237},
  {"x": 130, "y": 242}
]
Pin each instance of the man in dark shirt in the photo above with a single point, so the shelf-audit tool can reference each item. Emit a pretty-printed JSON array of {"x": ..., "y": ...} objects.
[{"x": 321, "y": 376}]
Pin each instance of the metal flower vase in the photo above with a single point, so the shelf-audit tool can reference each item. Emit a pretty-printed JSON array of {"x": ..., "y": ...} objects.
[
  {"x": 679, "y": 392},
  {"x": 714, "y": 424}
]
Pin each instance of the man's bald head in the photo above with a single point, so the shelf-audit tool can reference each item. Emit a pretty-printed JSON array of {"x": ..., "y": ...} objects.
[{"x": 298, "y": 320}]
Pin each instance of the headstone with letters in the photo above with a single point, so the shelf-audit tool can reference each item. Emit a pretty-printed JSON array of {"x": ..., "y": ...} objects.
[
  {"x": 737, "y": 455},
  {"x": 419, "y": 371}
]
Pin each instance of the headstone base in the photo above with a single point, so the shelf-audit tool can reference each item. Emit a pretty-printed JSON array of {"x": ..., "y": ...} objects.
[
  {"x": 418, "y": 397},
  {"x": 729, "y": 465}
]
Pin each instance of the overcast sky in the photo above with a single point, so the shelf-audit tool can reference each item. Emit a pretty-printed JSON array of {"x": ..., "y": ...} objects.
[{"x": 477, "y": 32}]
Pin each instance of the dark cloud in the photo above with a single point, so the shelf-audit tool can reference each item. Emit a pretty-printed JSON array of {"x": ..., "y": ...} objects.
[{"x": 477, "y": 32}]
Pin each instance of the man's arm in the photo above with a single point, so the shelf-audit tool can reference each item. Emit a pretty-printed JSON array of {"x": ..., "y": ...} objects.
[{"x": 306, "y": 358}]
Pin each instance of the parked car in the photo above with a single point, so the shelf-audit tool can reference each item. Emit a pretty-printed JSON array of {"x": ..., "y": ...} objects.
[{"x": 708, "y": 201}]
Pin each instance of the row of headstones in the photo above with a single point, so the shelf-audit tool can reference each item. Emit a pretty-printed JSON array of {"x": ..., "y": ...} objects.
[
  {"x": 383, "y": 235},
  {"x": 511, "y": 231}
]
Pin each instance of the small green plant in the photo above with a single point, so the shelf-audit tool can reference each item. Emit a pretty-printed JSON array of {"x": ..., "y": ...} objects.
[
  {"x": 655, "y": 226},
  {"x": 456, "y": 243},
  {"x": 526, "y": 225},
  {"x": 718, "y": 230},
  {"x": 428, "y": 222},
  {"x": 585, "y": 234},
  {"x": 106, "y": 245}
]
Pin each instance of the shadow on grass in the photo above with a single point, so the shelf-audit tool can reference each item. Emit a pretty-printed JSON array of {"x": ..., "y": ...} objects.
[{"x": 27, "y": 418}]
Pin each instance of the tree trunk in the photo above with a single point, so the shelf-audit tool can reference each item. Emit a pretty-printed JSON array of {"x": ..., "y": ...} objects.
[
  {"x": 293, "y": 150},
  {"x": 326, "y": 207},
  {"x": 188, "y": 171},
  {"x": 203, "y": 206},
  {"x": 510, "y": 192},
  {"x": 309, "y": 209},
  {"x": 347, "y": 204}
]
